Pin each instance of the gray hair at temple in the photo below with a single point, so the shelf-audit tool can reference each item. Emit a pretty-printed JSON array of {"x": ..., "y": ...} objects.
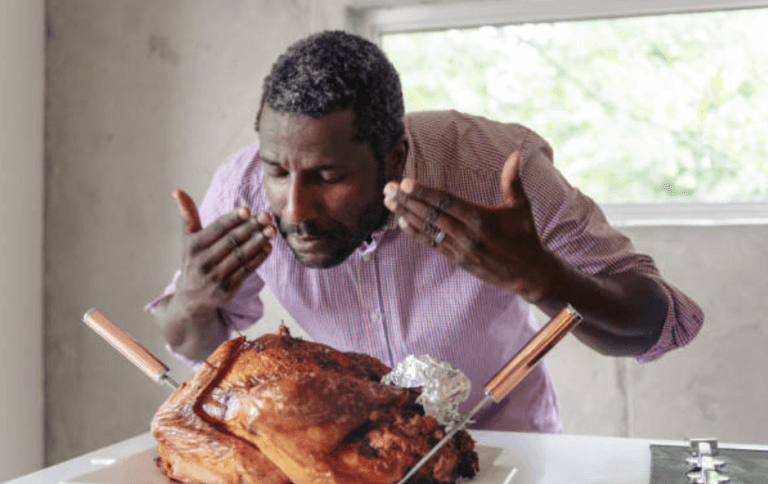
[{"x": 335, "y": 70}]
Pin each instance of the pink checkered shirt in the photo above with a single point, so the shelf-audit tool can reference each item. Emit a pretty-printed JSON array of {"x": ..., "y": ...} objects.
[{"x": 392, "y": 297}]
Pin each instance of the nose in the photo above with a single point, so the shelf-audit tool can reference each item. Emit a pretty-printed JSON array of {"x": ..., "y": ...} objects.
[{"x": 300, "y": 202}]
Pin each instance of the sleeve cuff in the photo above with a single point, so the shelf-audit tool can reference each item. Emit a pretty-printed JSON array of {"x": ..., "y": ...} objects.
[
  {"x": 192, "y": 363},
  {"x": 683, "y": 322},
  {"x": 166, "y": 292}
]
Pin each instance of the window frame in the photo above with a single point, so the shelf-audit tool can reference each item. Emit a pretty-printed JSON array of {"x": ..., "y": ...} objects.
[{"x": 375, "y": 22}]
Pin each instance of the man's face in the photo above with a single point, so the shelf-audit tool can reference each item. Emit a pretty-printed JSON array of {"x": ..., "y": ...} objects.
[{"x": 324, "y": 187}]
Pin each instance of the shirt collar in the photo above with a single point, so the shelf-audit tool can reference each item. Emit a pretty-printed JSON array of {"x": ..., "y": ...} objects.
[{"x": 368, "y": 248}]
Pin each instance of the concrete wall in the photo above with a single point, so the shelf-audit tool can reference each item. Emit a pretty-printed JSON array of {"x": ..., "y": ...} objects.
[
  {"x": 716, "y": 385},
  {"x": 144, "y": 97},
  {"x": 22, "y": 53}
]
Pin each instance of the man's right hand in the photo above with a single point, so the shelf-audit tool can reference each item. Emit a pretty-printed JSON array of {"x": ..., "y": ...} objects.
[
  {"x": 215, "y": 262},
  {"x": 217, "y": 259}
]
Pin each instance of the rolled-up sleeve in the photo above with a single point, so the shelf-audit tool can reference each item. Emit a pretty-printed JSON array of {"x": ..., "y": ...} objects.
[{"x": 572, "y": 225}]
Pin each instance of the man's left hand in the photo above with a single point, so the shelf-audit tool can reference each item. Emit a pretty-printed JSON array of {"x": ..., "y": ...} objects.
[{"x": 497, "y": 244}]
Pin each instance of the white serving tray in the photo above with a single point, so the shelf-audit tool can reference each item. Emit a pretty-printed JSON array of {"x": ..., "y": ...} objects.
[{"x": 497, "y": 466}]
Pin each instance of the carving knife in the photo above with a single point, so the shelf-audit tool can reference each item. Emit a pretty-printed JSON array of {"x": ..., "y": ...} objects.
[
  {"x": 496, "y": 389},
  {"x": 129, "y": 347},
  {"x": 512, "y": 373}
]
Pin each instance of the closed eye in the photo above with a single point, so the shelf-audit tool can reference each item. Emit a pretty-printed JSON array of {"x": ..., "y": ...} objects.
[
  {"x": 332, "y": 177},
  {"x": 276, "y": 172},
  {"x": 272, "y": 169}
]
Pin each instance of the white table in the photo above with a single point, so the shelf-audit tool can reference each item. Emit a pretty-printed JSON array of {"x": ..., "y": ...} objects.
[{"x": 538, "y": 458}]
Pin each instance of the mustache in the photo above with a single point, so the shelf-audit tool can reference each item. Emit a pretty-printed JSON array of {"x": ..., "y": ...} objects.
[{"x": 308, "y": 229}]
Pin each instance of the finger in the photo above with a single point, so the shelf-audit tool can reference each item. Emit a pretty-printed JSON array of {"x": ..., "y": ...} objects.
[
  {"x": 426, "y": 238},
  {"x": 457, "y": 246},
  {"x": 236, "y": 278},
  {"x": 420, "y": 222},
  {"x": 409, "y": 194},
  {"x": 188, "y": 211},
  {"x": 264, "y": 218},
  {"x": 242, "y": 240},
  {"x": 211, "y": 234},
  {"x": 427, "y": 233},
  {"x": 243, "y": 261},
  {"x": 421, "y": 216},
  {"x": 511, "y": 185}
]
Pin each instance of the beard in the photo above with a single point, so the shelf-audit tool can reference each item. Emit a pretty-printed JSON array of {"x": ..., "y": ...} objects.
[{"x": 344, "y": 240}]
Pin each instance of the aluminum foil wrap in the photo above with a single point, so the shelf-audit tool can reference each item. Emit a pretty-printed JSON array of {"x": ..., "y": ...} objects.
[{"x": 443, "y": 387}]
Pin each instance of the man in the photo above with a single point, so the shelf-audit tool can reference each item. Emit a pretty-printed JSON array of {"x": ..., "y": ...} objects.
[{"x": 421, "y": 234}]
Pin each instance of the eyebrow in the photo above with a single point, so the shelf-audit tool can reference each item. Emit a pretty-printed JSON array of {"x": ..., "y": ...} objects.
[{"x": 270, "y": 162}]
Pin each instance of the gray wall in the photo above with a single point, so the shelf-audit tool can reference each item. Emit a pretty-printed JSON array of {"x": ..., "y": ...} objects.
[
  {"x": 716, "y": 385},
  {"x": 22, "y": 59},
  {"x": 144, "y": 97}
]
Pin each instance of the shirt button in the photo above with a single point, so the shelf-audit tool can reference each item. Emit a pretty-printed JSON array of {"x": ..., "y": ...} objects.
[
  {"x": 367, "y": 257},
  {"x": 375, "y": 316}
]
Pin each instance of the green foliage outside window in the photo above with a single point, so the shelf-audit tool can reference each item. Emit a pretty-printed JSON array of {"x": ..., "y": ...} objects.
[{"x": 647, "y": 109}]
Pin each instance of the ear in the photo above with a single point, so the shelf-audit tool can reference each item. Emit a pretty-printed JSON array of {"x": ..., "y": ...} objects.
[{"x": 395, "y": 160}]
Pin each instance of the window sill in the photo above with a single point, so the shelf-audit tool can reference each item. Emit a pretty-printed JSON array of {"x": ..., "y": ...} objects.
[
  {"x": 372, "y": 22},
  {"x": 686, "y": 214}
]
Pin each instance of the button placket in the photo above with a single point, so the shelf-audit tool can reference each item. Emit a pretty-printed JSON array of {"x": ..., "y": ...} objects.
[
  {"x": 371, "y": 306},
  {"x": 371, "y": 298}
]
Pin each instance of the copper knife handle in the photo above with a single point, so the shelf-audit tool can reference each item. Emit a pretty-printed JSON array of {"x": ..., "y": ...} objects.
[
  {"x": 512, "y": 373},
  {"x": 531, "y": 354},
  {"x": 125, "y": 344}
]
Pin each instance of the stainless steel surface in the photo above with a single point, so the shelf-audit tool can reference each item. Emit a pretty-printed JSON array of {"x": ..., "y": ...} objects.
[{"x": 705, "y": 469}]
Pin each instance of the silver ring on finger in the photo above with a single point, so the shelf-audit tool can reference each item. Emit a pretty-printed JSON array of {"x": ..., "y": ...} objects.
[{"x": 439, "y": 238}]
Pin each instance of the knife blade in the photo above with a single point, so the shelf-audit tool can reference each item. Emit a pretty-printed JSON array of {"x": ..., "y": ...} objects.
[{"x": 511, "y": 374}]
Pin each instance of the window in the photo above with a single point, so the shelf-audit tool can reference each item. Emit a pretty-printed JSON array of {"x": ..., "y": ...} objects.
[{"x": 666, "y": 112}]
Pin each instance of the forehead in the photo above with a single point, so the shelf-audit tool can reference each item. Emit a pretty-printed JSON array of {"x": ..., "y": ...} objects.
[{"x": 288, "y": 136}]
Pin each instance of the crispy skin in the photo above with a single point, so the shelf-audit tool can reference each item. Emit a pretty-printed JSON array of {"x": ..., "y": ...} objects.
[
  {"x": 317, "y": 414},
  {"x": 193, "y": 448}
]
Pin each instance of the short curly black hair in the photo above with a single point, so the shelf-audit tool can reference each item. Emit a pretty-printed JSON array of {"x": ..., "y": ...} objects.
[{"x": 335, "y": 70}]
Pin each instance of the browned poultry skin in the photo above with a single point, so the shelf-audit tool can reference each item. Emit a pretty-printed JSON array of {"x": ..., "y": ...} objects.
[
  {"x": 193, "y": 448},
  {"x": 280, "y": 409}
]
